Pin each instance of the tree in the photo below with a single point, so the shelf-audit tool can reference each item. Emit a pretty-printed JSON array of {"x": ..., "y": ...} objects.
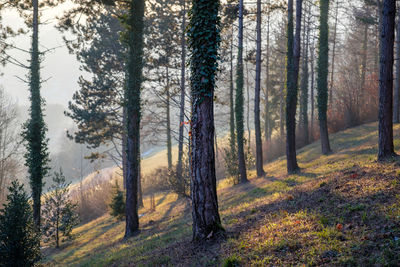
[
  {"x": 37, "y": 155},
  {"x": 257, "y": 124},
  {"x": 240, "y": 101},
  {"x": 59, "y": 212},
  {"x": 19, "y": 240},
  {"x": 386, "y": 149},
  {"x": 133, "y": 111},
  {"x": 203, "y": 42},
  {"x": 293, "y": 58},
  {"x": 396, "y": 100},
  {"x": 117, "y": 204},
  {"x": 322, "y": 76}
]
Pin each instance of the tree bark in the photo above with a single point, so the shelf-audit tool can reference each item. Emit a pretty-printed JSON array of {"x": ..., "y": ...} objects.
[
  {"x": 132, "y": 99},
  {"x": 323, "y": 51},
  {"x": 293, "y": 58},
  {"x": 312, "y": 92},
  {"x": 304, "y": 85},
  {"x": 240, "y": 100},
  {"x": 386, "y": 149},
  {"x": 257, "y": 126},
  {"x": 396, "y": 100},
  {"x": 203, "y": 38},
  {"x": 231, "y": 103}
]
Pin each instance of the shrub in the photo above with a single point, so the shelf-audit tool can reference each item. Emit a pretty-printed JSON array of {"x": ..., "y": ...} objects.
[
  {"x": 117, "y": 204},
  {"x": 19, "y": 241}
]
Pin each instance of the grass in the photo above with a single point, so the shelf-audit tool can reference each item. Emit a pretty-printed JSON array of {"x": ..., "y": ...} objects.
[{"x": 341, "y": 210}]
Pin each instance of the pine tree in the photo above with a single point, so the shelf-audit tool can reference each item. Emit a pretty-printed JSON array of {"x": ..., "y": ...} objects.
[
  {"x": 59, "y": 212},
  {"x": 19, "y": 240},
  {"x": 117, "y": 204}
]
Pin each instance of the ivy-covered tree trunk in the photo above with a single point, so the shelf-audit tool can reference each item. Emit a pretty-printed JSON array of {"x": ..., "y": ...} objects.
[
  {"x": 239, "y": 103},
  {"x": 35, "y": 129},
  {"x": 132, "y": 100},
  {"x": 204, "y": 41},
  {"x": 257, "y": 123},
  {"x": 396, "y": 100},
  {"x": 322, "y": 79},
  {"x": 168, "y": 128},
  {"x": 183, "y": 93},
  {"x": 293, "y": 58},
  {"x": 386, "y": 149}
]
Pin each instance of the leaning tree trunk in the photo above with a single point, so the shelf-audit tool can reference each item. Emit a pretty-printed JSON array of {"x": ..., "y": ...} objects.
[
  {"x": 257, "y": 126},
  {"x": 132, "y": 99},
  {"x": 322, "y": 82},
  {"x": 183, "y": 94},
  {"x": 396, "y": 100},
  {"x": 293, "y": 58},
  {"x": 240, "y": 100},
  {"x": 386, "y": 149},
  {"x": 204, "y": 40}
]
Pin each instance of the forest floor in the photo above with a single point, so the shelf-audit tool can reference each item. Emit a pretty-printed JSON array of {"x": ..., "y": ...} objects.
[{"x": 340, "y": 210}]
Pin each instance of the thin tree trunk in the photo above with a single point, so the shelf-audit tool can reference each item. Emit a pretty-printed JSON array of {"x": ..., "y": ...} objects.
[
  {"x": 282, "y": 112},
  {"x": 312, "y": 92},
  {"x": 124, "y": 158},
  {"x": 239, "y": 100},
  {"x": 333, "y": 55},
  {"x": 140, "y": 193},
  {"x": 132, "y": 95},
  {"x": 231, "y": 103},
  {"x": 257, "y": 126},
  {"x": 386, "y": 149},
  {"x": 267, "y": 127},
  {"x": 182, "y": 87},
  {"x": 248, "y": 104},
  {"x": 292, "y": 87},
  {"x": 304, "y": 85},
  {"x": 169, "y": 142},
  {"x": 396, "y": 100},
  {"x": 323, "y": 50},
  {"x": 363, "y": 69},
  {"x": 203, "y": 35}
]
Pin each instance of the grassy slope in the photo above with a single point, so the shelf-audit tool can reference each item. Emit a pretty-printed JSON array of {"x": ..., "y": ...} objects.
[{"x": 343, "y": 209}]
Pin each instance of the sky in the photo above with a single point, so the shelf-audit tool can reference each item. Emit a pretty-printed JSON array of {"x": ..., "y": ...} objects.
[{"x": 59, "y": 68}]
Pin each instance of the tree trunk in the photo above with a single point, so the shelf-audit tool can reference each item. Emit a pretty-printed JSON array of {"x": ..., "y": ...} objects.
[
  {"x": 203, "y": 38},
  {"x": 333, "y": 55},
  {"x": 124, "y": 159},
  {"x": 240, "y": 100},
  {"x": 183, "y": 93},
  {"x": 169, "y": 142},
  {"x": 363, "y": 71},
  {"x": 37, "y": 155},
  {"x": 232, "y": 143},
  {"x": 312, "y": 92},
  {"x": 386, "y": 149},
  {"x": 323, "y": 50},
  {"x": 257, "y": 126},
  {"x": 396, "y": 101},
  {"x": 267, "y": 127},
  {"x": 304, "y": 85},
  {"x": 140, "y": 193},
  {"x": 293, "y": 59},
  {"x": 132, "y": 99}
]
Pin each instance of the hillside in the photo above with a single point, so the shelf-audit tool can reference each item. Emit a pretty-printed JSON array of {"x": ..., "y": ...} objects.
[{"x": 341, "y": 210}]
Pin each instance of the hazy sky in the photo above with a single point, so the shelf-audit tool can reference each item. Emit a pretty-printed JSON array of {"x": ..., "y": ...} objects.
[{"x": 61, "y": 67}]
